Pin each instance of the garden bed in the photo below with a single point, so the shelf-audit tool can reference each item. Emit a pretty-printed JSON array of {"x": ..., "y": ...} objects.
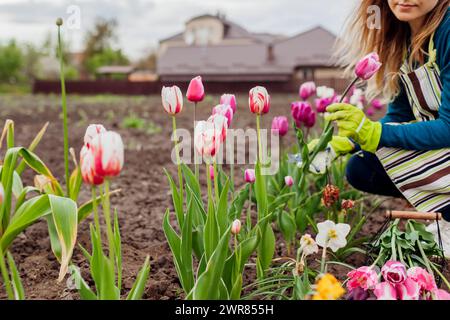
[{"x": 144, "y": 196}]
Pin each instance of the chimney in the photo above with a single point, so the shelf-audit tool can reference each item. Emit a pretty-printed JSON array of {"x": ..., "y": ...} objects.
[{"x": 270, "y": 53}]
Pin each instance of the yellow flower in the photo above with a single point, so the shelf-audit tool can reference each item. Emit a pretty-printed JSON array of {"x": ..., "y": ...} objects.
[{"x": 328, "y": 288}]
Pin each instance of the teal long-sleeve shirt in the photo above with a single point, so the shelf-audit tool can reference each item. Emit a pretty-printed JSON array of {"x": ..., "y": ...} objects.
[{"x": 426, "y": 135}]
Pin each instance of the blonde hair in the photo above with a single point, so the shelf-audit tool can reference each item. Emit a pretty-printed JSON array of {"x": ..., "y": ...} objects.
[{"x": 389, "y": 41}]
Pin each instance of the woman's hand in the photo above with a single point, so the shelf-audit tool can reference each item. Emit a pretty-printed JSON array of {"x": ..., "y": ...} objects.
[
  {"x": 336, "y": 147},
  {"x": 353, "y": 123}
]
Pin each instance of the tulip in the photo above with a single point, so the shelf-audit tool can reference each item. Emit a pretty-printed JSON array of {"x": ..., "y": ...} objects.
[
  {"x": 107, "y": 150},
  {"x": 368, "y": 66},
  {"x": 440, "y": 294},
  {"x": 408, "y": 290},
  {"x": 259, "y": 100},
  {"x": 195, "y": 91},
  {"x": 307, "y": 89},
  {"x": 323, "y": 103},
  {"x": 310, "y": 120},
  {"x": 424, "y": 279},
  {"x": 250, "y": 176},
  {"x": 2, "y": 193},
  {"x": 377, "y": 104},
  {"x": 220, "y": 126},
  {"x": 87, "y": 167},
  {"x": 224, "y": 110},
  {"x": 229, "y": 99},
  {"x": 211, "y": 171},
  {"x": 330, "y": 195},
  {"x": 280, "y": 125},
  {"x": 236, "y": 227},
  {"x": 172, "y": 100},
  {"x": 91, "y": 131},
  {"x": 325, "y": 92},
  {"x": 289, "y": 181},
  {"x": 307, "y": 245},
  {"x": 364, "y": 277},
  {"x": 394, "y": 272},
  {"x": 303, "y": 114},
  {"x": 332, "y": 235},
  {"x": 385, "y": 291}
]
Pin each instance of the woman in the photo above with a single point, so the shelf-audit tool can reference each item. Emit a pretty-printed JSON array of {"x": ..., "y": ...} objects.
[{"x": 407, "y": 153}]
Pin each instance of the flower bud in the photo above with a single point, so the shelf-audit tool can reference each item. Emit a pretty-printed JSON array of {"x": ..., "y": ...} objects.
[
  {"x": 307, "y": 89},
  {"x": 289, "y": 181},
  {"x": 259, "y": 100},
  {"x": 229, "y": 99},
  {"x": 91, "y": 131},
  {"x": 107, "y": 150},
  {"x": 368, "y": 66},
  {"x": 59, "y": 22},
  {"x": 280, "y": 125},
  {"x": 172, "y": 100},
  {"x": 236, "y": 227},
  {"x": 250, "y": 176},
  {"x": 195, "y": 91}
]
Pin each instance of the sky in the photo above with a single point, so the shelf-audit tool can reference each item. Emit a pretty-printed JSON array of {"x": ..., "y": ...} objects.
[{"x": 142, "y": 23}]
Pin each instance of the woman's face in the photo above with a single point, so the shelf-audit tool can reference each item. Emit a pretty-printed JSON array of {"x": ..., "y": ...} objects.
[{"x": 410, "y": 10}]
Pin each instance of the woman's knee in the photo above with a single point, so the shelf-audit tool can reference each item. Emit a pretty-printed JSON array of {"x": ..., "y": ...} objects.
[{"x": 356, "y": 172}]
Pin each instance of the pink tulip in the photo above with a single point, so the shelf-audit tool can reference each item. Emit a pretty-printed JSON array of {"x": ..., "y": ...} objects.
[
  {"x": 230, "y": 100},
  {"x": 307, "y": 89},
  {"x": 370, "y": 111},
  {"x": 211, "y": 172},
  {"x": 310, "y": 120},
  {"x": 280, "y": 125},
  {"x": 377, "y": 104},
  {"x": 364, "y": 277},
  {"x": 440, "y": 294},
  {"x": 236, "y": 227},
  {"x": 87, "y": 167},
  {"x": 368, "y": 66},
  {"x": 91, "y": 131},
  {"x": 385, "y": 291},
  {"x": 408, "y": 290},
  {"x": 424, "y": 279},
  {"x": 394, "y": 272},
  {"x": 107, "y": 149},
  {"x": 323, "y": 103},
  {"x": 289, "y": 181},
  {"x": 172, "y": 100},
  {"x": 250, "y": 176},
  {"x": 225, "y": 110},
  {"x": 303, "y": 114},
  {"x": 195, "y": 91},
  {"x": 259, "y": 100}
]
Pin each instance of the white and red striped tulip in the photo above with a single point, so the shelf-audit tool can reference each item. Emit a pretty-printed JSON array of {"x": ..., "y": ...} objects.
[
  {"x": 224, "y": 110},
  {"x": 108, "y": 150},
  {"x": 91, "y": 131},
  {"x": 259, "y": 100},
  {"x": 172, "y": 100},
  {"x": 229, "y": 99},
  {"x": 220, "y": 123},
  {"x": 87, "y": 167}
]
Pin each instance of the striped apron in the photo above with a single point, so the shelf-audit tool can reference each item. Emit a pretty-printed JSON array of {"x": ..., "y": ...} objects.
[{"x": 423, "y": 177}]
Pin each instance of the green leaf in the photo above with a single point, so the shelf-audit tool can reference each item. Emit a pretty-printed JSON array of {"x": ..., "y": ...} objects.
[
  {"x": 186, "y": 249},
  {"x": 87, "y": 208},
  {"x": 211, "y": 231},
  {"x": 222, "y": 209},
  {"x": 64, "y": 212},
  {"x": 287, "y": 225},
  {"x": 177, "y": 201},
  {"x": 118, "y": 249},
  {"x": 108, "y": 289},
  {"x": 19, "y": 292},
  {"x": 75, "y": 183},
  {"x": 83, "y": 289},
  {"x": 137, "y": 290},
  {"x": 32, "y": 146},
  {"x": 208, "y": 282},
  {"x": 238, "y": 203}
]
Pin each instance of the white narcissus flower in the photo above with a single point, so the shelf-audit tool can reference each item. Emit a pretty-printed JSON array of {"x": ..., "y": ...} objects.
[
  {"x": 308, "y": 245},
  {"x": 332, "y": 235}
]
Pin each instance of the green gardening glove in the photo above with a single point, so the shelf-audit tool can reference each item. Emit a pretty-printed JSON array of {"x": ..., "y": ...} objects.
[
  {"x": 337, "y": 147},
  {"x": 353, "y": 123}
]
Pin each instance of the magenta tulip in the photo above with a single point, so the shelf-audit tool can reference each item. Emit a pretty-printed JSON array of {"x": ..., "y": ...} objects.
[
  {"x": 195, "y": 91},
  {"x": 250, "y": 176},
  {"x": 368, "y": 66},
  {"x": 229, "y": 99},
  {"x": 307, "y": 90},
  {"x": 280, "y": 125}
]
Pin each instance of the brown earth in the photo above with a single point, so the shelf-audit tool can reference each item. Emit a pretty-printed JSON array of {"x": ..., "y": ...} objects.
[{"x": 145, "y": 193}]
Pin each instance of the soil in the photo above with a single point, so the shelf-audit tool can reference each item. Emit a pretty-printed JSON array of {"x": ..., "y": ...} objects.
[{"x": 144, "y": 195}]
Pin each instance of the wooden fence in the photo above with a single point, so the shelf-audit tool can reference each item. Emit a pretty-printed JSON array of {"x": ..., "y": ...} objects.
[{"x": 124, "y": 87}]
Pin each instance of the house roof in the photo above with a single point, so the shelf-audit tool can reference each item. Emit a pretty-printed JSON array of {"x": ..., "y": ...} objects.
[
  {"x": 310, "y": 48},
  {"x": 115, "y": 70}
]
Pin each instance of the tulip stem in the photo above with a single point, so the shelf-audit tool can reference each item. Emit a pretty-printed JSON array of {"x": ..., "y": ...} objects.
[
  {"x": 249, "y": 210},
  {"x": 208, "y": 181},
  {"x": 95, "y": 209},
  {"x": 64, "y": 110},
  {"x": 258, "y": 128},
  {"x": 177, "y": 152},
  {"x": 197, "y": 174},
  {"x": 107, "y": 214},
  {"x": 322, "y": 262},
  {"x": 216, "y": 183},
  {"x": 5, "y": 275}
]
